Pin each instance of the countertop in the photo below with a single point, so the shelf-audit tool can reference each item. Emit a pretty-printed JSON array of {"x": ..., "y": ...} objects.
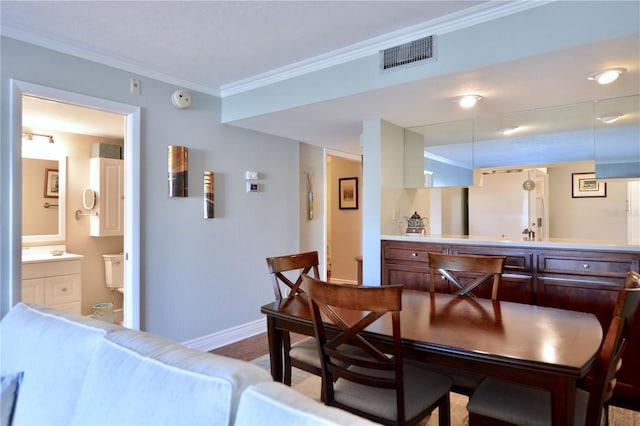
[
  {"x": 39, "y": 254},
  {"x": 510, "y": 242}
]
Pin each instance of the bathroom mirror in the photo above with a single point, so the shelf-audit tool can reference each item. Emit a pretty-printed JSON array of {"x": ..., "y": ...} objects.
[
  {"x": 88, "y": 198},
  {"x": 43, "y": 214}
]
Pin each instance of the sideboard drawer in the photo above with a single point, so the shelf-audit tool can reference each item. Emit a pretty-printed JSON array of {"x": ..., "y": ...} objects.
[{"x": 585, "y": 265}]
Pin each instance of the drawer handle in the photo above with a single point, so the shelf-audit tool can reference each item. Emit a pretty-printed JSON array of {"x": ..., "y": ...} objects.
[
  {"x": 64, "y": 289},
  {"x": 414, "y": 254},
  {"x": 586, "y": 266}
]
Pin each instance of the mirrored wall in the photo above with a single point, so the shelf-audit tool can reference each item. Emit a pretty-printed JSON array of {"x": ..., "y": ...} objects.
[{"x": 604, "y": 131}]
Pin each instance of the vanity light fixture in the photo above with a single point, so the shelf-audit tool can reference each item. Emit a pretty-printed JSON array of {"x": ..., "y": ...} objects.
[
  {"x": 608, "y": 119},
  {"x": 467, "y": 101},
  {"x": 37, "y": 136},
  {"x": 607, "y": 76},
  {"x": 508, "y": 130}
]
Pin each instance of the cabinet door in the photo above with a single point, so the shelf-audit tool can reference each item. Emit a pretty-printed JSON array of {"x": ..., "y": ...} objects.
[
  {"x": 107, "y": 179},
  {"x": 514, "y": 288},
  {"x": 411, "y": 278},
  {"x": 33, "y": 291}
]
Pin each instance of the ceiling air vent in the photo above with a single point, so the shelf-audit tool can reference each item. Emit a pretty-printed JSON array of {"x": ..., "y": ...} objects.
[{"x": 410, "y": 53}]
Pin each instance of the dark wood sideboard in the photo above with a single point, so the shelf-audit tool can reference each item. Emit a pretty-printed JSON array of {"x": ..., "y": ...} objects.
[{"x": 575, "y": 279}]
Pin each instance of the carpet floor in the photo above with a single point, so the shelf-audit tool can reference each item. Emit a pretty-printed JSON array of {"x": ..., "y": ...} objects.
[{"x": 309, "y": 385}]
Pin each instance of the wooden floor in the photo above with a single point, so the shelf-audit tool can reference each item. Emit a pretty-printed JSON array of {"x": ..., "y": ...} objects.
[
  {"x": 247, "y": 350},
  {"x": 251, "y": 348}
]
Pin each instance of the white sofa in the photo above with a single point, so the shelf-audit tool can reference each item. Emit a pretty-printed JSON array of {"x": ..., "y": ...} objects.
[{"x": 81, "y": 371}]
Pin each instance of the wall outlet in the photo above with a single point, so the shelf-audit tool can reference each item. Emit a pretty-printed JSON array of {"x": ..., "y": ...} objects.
[{"x": 251, "y": 175}]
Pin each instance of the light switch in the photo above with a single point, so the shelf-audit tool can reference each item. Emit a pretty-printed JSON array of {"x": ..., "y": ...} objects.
[
  {"x": 253, "y": 187},
  {"x": 251, "y": 175}
]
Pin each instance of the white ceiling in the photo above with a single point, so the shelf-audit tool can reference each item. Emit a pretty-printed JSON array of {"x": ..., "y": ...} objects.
[{"x": 214, "y": 45}]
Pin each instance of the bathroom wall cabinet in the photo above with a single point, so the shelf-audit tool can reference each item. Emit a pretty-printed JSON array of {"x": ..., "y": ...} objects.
[
  {"x": 56, "y": 283},
  {"x": 107, "y": 180},
  {"x": 567, "y": 278}
]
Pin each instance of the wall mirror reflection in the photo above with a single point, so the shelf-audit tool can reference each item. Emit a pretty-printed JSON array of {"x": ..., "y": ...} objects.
[
  {"x": 43, "y": 217},
  {"x": 605, "y": 131},
  {"x": 522, "y": 165}
]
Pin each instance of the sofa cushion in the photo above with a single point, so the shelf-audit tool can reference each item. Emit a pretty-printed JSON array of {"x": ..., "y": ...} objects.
[
  {"x": 138, "y": 378},
  {"x": 53, "y": 349},
  {"x": 10, "y": 387},
  {"x": 276, "y": 404}
]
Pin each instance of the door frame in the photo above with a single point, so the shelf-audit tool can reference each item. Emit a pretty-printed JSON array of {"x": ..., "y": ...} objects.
[{"x": 131, "y": 191}]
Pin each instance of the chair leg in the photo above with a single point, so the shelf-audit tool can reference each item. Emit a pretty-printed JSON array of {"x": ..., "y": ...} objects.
[
  {"x": 606, "y": 414},
  {"x": 444, "y": 411}
]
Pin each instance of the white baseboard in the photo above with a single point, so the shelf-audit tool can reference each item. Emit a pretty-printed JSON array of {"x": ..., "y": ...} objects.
[
  {"x": 228, "y": 336},
  {"x": 235, "y": 334}
]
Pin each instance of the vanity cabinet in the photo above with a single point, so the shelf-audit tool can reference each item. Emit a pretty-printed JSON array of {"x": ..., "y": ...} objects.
[
  {"x": 573, "y": 279},
  {"x": 55, "y": 283},
  {"x": 107, "y": 180}
]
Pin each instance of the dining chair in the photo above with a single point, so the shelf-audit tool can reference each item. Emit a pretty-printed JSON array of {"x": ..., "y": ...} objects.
[
  {"x": 451, "y": 266},
  {"x": 372, "y": 383},
  {"x": 498, "y": 402},
  {"x": 286, "y": 273}
]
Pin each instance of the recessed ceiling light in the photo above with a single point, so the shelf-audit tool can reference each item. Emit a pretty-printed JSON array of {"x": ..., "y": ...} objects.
[
  {"x": 607, "y": 76},
  {"x": 608, "y": 119},
  {"x": 508, "y": 130},
  {"x": 467, "y": 101}
]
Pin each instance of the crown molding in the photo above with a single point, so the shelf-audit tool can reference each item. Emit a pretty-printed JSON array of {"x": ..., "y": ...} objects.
[
  {"x": 108, "y": 60},
  {"x": 456, "y": 21}
]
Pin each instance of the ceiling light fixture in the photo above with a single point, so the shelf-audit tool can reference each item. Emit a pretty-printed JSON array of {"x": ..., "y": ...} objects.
[
  {"x": 607, "y": 76},
  {"x": 467, "y": 101},
  {"x": 508, "y": 130},
  {"x": 608, "y": 119}
]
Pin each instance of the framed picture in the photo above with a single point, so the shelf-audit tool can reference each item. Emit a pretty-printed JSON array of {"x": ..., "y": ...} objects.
[
  {"x": 51, "y": 188},
  {"x": 585, "y": 185},
  {"x": 348, "y": 193}
]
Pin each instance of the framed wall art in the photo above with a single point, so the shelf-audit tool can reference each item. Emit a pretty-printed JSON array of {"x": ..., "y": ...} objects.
[
  {"x": 51, "y": 185},
  {"x": 585, "y": 185},
  {"x": 348, "y": 193}
]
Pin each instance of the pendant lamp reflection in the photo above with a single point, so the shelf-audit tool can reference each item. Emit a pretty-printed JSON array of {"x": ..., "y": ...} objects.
[
  {"x": 178, "y": 167},
  {"x": 208, "y": 195}
]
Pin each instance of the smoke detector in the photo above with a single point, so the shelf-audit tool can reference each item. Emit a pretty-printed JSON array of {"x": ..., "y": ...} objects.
[{"x": 181, "y": 99}]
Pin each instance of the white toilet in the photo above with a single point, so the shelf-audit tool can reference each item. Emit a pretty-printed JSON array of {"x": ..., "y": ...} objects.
[{"x": 114, "y": 271}]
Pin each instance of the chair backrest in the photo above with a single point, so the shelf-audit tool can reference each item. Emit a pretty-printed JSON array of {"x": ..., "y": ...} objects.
[
  {"x": 280, "y": 265},
  {"x": 351, "y": 309},
  {"x": 603, "y": 379},
  {"x": 447, "y": 264}
]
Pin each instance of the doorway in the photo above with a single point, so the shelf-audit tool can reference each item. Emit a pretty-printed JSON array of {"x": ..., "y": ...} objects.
[
  {"x": 131, "y": 188},
  {"x": 343, "y": 222}
]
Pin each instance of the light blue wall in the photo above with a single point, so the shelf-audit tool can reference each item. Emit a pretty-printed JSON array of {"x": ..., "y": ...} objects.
[{"x": 198, "y": 276}]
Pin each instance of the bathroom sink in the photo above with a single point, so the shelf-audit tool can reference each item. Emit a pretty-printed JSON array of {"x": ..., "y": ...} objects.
[{"x": 47, "y": 254}]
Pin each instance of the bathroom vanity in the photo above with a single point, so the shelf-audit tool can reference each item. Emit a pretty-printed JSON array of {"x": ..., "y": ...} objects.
[
  {"x": 574, "y": 275},
  {"x": 53, "y": 280}
]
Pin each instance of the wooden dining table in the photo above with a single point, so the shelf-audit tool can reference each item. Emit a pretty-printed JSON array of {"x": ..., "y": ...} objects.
[{"x": 544, "y": 347}]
